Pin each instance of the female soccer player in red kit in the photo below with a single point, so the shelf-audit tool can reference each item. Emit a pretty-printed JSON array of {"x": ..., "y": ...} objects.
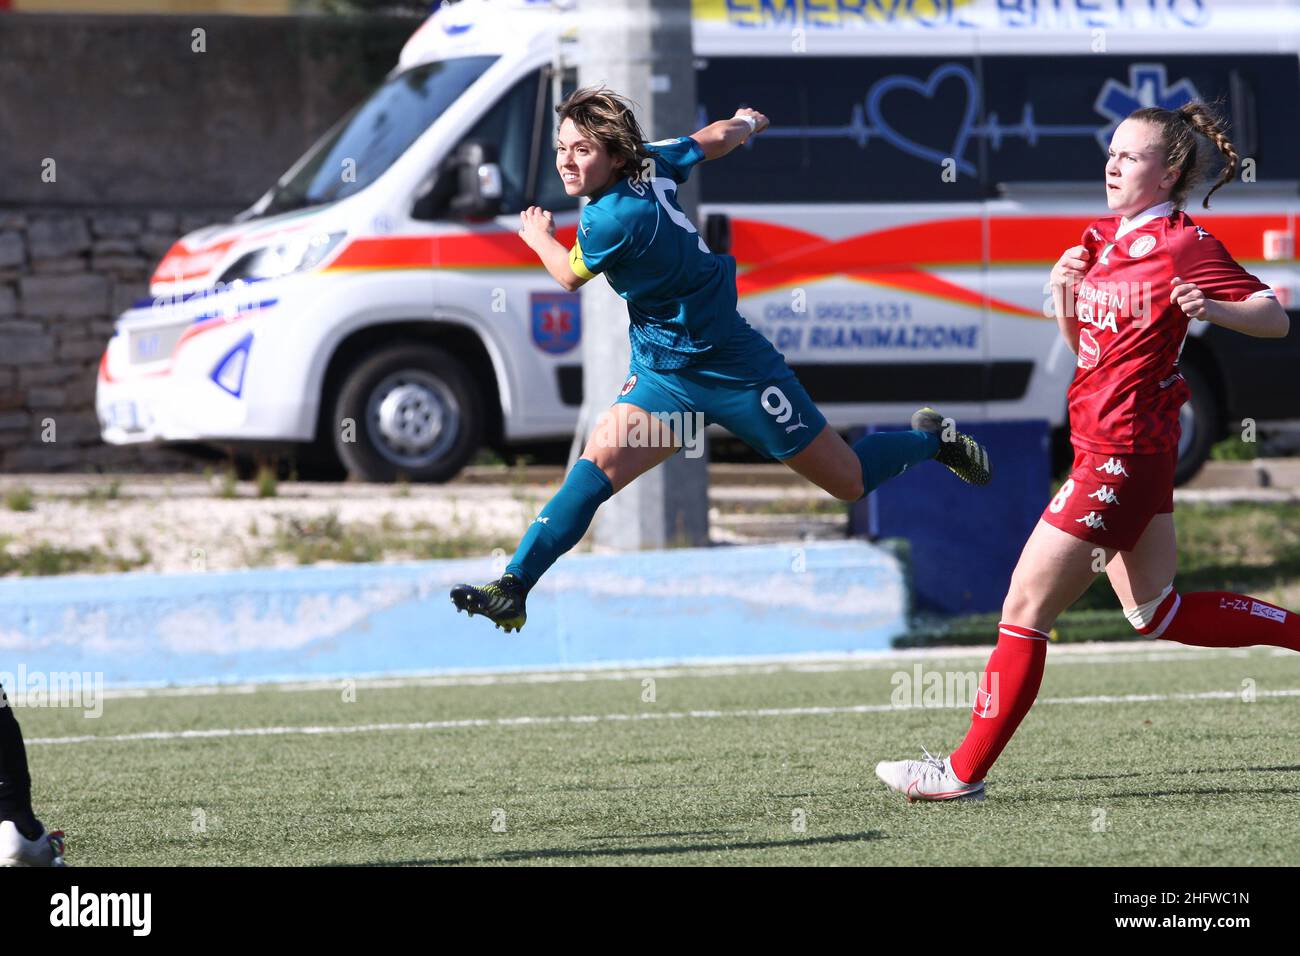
[{"x": 1123, "y": 299}]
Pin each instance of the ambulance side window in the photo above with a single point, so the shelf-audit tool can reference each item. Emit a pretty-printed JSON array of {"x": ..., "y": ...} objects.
[
  {"x": 509, "y": 126},
  {"x": 549, "y": 188}
]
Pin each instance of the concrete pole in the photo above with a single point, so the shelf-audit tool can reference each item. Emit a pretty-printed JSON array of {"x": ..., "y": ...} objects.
[{"x": 642, "y": 50}]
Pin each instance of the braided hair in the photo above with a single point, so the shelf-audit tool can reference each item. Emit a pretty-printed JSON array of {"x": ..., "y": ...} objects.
[{"x": 1178, "y": 132}]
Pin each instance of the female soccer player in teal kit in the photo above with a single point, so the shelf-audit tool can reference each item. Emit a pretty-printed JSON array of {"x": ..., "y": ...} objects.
[{"x": 692, "y": 352}]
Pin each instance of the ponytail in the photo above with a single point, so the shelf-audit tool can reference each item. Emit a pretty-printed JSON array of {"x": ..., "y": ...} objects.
[{"x": 1178, "y": 131}]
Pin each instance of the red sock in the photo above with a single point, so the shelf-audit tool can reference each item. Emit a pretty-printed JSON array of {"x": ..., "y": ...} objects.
[
  {"x": 1223, "y": 619},
  {"x": 1007, "y": 691}
]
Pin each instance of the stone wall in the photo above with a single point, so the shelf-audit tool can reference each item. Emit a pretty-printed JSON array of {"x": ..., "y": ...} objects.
[{"x": 64, "y": 277}]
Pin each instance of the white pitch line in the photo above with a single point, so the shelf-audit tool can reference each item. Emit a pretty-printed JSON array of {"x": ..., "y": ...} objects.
[
  {"x": 615, "y": 718},
  {"x": 1092, "y": 653}
]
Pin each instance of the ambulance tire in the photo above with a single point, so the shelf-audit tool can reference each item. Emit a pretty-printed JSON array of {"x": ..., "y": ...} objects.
[
  {"x": 438, "y": 389},
  {"x": 1201, "y": 424}
]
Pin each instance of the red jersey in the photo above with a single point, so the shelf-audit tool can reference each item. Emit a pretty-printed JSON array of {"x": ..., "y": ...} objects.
[{"x": 1127, "y": 390}]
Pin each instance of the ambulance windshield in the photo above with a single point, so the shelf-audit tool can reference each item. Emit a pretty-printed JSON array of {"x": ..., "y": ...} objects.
[{"x": 368, "y": 140}]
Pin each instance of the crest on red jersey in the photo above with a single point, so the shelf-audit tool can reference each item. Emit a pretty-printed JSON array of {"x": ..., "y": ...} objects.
[{"x": 1141, "y": 246}]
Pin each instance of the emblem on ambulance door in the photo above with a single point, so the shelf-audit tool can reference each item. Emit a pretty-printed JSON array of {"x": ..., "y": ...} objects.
[{"x": 557, "y": 321}]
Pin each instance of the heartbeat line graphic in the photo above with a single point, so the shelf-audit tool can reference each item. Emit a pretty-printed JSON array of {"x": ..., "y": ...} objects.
[
  {"x": 861, "y": 132},
  {"x": 1148, "y": 86}
]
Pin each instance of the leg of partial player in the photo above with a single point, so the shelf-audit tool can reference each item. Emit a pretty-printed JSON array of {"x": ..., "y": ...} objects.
[
  {"x": 1143, "y": 580},
  {"x": 849, "y": 472},
  {"x": 23, "y": 840},
  {"x": 1054, "y": 569},
  {"x": 608, "y": 464}
]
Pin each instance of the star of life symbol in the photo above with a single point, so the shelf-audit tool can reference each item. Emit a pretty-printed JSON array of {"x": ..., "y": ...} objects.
[
  {"x": 1092, "y": 520},
  {"x": 1113, "y": 466},
  {"x": 1148, "y": 85},
  {"x": 557, "y": 320},
  {"x": 1106, "y": 495}
]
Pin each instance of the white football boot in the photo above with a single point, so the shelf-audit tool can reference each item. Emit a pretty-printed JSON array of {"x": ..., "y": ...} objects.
[
  {"x": 17, "y": 850},
  {"x": 930, "y": 778}
]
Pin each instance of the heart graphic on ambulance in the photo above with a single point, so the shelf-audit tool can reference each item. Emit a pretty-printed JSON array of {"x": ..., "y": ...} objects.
[
  {"x": 1089, "y": 350},
  {"x": 1140, "y": 246},
  {"x": 905, "y": 109}
]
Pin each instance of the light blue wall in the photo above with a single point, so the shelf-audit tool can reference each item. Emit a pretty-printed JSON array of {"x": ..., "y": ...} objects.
[{"x": 355, "y": 620}]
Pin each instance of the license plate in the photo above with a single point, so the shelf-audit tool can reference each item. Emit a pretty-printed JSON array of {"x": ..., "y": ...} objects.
[
  {"x": 155, "y": 344},
  {"x": 123, "y": 415}
]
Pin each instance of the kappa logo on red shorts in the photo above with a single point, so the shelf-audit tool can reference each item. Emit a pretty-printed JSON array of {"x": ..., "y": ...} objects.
[
  {"x": 1113, "y": 466},
  {"x": 1106, "y": 495},
  {"x": 1089, "y": 350},
  {"x": 628, "y": 386},
  {"x": 1092, "y": 520}
]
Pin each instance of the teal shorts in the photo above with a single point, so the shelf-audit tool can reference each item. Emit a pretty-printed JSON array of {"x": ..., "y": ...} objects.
[{"x": 747, "y": 389}]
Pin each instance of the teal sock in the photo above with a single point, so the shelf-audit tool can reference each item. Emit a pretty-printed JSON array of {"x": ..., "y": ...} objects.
[
  {"x": 886, "y": 455},
  {"x": 562, "y": 523}
]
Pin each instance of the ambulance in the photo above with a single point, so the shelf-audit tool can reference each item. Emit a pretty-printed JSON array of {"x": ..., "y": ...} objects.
[{"x": 926, "y": 165}]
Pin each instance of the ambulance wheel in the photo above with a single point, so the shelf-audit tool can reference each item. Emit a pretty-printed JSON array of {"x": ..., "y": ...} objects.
[
  {"x": 1200, "y": 420},
  {"x": 407, "y": 411}
]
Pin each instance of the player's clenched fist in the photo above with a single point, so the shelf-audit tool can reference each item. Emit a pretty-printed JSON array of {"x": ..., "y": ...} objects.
[
  {"x": 535, "y": 224},
  {"x": 1188, "y": 297},
  {"x": 760, "y": 121},
  {"x": 1070, "y": 268}
]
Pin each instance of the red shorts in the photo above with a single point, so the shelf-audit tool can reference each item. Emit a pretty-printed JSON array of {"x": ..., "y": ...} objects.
[{"x": 1109, "y": 499}]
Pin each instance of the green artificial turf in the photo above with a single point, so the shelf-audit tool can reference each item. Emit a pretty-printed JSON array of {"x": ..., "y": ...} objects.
[{"x": 670, "y": 781}]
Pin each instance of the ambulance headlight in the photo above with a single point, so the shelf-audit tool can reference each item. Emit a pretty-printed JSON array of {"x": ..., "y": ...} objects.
[{"x": 295, "y": 254}]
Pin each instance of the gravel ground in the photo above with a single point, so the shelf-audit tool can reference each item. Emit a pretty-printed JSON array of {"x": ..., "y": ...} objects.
[{"x": 187, "y": 522}]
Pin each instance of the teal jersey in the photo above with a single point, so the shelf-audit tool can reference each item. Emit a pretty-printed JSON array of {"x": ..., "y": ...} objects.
[{"x": 681, "y": 298}]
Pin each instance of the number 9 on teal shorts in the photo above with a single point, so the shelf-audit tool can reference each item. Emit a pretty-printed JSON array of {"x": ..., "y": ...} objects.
[{"x": 774, "y": 416}]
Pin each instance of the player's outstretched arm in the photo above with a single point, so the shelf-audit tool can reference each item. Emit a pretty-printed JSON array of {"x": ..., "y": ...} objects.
[
  {"x": 720, "y": 138},
  {"x": 1261, "y": 316},
  {"x": 537, "y": 229}
]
